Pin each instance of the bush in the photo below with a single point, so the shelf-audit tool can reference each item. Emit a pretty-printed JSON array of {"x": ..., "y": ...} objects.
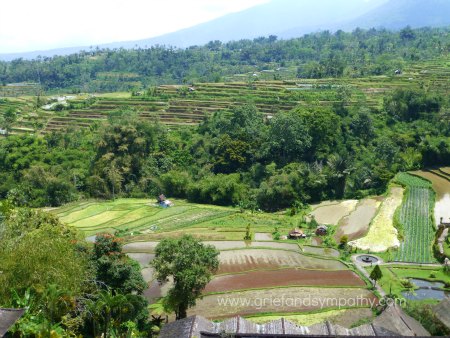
[
  {"x": 406, "y": 283},
  {"x": 175, "y": 183},
  {"x": 218, "y": 189}
]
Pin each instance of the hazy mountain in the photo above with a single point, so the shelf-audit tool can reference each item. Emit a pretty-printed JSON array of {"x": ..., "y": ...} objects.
[
  {"x": 397, "y": 14},
  {"x": 291, "y": 18},
  {"x": 274, "y": 17}
]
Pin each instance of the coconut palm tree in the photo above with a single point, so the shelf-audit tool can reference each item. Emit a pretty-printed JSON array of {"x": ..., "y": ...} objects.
[{"x": 340, "y": 167}]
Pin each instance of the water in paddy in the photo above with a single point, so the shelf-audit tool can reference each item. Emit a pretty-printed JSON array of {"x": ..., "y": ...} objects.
[
  {"x": 427, "y": 290},
  {"x": 442, "y": 188}
]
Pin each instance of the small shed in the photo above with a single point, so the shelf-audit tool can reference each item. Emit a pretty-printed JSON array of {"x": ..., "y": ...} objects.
[
  {"x": 296, "y": 233},
  {"x": 321, "y": 230},
  {"x": 164, "y": 202},
  {"x": 398, "y": 72}
]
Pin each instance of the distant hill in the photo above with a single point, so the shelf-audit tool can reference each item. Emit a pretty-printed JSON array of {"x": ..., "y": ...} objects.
[
  {"x": 288, "y": 19},
  {"x": 273, "y": 18},
  {"x": 397, "y": 14}
]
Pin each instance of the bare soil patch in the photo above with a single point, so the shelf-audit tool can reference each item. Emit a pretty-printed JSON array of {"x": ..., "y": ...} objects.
[
  {"x": 284, "y": 277},
  {"x": 356, "y": 225},
  {"x": 262, "y": 236}
]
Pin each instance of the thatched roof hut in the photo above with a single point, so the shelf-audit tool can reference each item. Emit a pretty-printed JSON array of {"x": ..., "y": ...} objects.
[
  {"x": 296, "y": 233},
  {"x": 321, "y": 230}
]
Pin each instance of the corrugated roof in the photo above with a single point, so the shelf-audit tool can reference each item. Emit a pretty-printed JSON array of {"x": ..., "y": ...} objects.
[
  {"x": 392, "y": 322},
  {"x": 442, "y": 311},
  {"x": 7, "y": 319}
]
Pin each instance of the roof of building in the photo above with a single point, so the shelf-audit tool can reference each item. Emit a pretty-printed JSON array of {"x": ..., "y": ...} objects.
[
  {"x": 392, "y": 322},
  {"x": 7, "y": 319},
  {"x": 442, "y": 311},
  {"x": 296, "y": 232}
]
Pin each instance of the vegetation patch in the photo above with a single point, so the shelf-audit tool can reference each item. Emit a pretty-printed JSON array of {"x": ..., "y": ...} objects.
[
  {"x": 382, "y": 234},
  {"x": 344, "y": 318},
  {"x": 417, "y": 222}
]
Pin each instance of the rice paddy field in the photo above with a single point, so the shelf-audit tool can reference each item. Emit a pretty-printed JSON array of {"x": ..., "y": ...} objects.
[
  {"x": 266, "y": 269},
  {"x": 143, "y": 220},
  {"x": 356, "y": 224},
  {"x": 247, "y": 268},
  {"x": 382, "y": 233},
  {"x": 415, "y": 217},
  {"x": 298, "y": 299},
  {"x": 180, "y": 110},
  {"x": 440, "y": 182},
  {"x": 332, "y": 212}
]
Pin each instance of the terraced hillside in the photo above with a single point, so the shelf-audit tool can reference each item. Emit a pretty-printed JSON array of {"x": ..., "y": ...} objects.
[
  {"x": 30, "y": 119},
  {"x": 178, "y": 106},
  {"x": 20, "y": 89}
]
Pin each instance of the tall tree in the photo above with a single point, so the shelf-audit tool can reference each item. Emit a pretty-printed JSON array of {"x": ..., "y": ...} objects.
[
  {"x": 9, "y": 118},
  {"x": 190, "y": 264},
  {"x": 376, "y": 274}
]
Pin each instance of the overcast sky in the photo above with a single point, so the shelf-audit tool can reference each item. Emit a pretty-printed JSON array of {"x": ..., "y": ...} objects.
[{"x": 29, "y": 25}]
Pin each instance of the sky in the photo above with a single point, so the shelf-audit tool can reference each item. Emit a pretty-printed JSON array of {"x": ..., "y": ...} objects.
[{"x": 30, "y": 25}]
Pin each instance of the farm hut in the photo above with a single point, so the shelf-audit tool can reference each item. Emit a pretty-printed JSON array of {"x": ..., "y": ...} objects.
[
  {"x": 321, "y": 230},
  {"x": 164, "y": 202},
  {"x": 296, "y": 233},
  {"x": 398, "y": 72}
]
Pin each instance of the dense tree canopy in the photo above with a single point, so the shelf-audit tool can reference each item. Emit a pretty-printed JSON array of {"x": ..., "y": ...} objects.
[
  {"x": 316, "y": 55},
  {"x": 190, "y": 264}
]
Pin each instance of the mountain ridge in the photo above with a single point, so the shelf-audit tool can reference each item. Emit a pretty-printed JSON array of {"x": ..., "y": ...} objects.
[{"x": 288, "y": 19}]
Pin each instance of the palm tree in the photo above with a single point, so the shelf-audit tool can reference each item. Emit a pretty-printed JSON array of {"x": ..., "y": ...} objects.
[
  {"x": 56, "y": 303},
  {"x": 340, "y": 167},
  {"x": 107, "y": 312}
]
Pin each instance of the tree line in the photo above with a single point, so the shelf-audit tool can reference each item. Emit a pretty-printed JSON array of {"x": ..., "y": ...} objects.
[
  {"x": 315, "y": 55},
  {"x": 304, "y": 155}
]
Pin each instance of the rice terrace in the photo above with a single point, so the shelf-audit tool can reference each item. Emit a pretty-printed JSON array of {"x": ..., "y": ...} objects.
[
  {"x": 278, "y": 268},
  {"x": 226, "y": 180}
]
